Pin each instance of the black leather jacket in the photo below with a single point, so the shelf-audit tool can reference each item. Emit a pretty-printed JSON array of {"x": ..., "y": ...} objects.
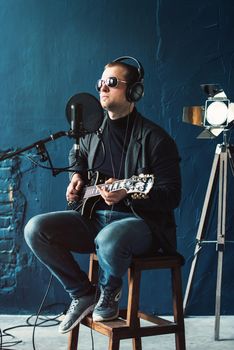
[{"x": 151, "y": 150}]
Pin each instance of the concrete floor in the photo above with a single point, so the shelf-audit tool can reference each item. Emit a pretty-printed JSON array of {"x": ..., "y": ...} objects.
[{"x": 199, "y": 336}]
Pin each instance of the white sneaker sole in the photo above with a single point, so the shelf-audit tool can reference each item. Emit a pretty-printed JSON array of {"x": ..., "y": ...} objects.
[{"x": 98, "y": 318}]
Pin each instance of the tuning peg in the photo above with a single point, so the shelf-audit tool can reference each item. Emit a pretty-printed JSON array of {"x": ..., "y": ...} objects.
[
  {"x": 139, "y": 196},
  {"x": 135, "y": 196}
]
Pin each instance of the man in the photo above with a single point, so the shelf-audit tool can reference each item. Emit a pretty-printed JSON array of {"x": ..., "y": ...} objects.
[{"x": 118, "y": 225}]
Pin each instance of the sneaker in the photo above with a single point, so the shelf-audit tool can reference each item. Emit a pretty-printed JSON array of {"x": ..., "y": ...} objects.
[
  {"x": 107, "y": 307},
  {"x": 78, "y": 309}
]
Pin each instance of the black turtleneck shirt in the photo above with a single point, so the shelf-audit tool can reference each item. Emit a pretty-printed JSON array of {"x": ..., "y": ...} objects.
[{"x": 116, "y": 139}]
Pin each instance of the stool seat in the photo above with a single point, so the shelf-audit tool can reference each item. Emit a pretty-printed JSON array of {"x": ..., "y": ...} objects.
[{"x": 128, "y": 324}]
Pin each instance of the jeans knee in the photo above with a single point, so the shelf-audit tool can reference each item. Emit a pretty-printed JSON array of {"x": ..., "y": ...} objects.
[
  {"x": 102, "y": 244},
  {"x": 31, "y": 230},
  {"x": 108, "y": 246}
]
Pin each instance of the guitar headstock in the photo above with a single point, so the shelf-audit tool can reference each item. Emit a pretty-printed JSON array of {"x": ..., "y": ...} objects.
[{"x": 139, "y": 185}]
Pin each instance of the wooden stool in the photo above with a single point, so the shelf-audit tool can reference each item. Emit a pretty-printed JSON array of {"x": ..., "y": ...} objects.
[{"x": 128, "y": 324}]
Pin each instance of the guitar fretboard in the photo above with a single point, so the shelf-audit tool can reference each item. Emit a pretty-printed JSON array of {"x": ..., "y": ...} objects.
[{"x": 93, "y": 191}]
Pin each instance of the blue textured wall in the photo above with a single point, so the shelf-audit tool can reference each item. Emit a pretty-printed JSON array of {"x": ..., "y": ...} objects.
[{"x": 52, "y": 49}]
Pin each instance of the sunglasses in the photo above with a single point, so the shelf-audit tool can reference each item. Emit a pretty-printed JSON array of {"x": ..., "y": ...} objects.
[{"x": 110, "y": 82}]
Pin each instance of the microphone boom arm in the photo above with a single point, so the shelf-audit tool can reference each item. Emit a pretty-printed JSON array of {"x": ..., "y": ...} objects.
[{"x": 36, "y": 144}]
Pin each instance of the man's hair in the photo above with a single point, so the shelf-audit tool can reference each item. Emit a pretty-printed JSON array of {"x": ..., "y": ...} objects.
[{"x": 132, "y": 74}]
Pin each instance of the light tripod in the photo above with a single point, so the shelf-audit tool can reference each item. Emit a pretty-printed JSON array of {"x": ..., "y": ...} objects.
[{"x": 220, "y": 162}]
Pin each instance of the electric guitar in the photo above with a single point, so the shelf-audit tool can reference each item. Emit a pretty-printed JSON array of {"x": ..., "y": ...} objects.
[{"x": 139, "y": 186}]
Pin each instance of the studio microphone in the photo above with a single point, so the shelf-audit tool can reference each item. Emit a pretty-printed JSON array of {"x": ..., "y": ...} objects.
[
  {"x": 76, "y": 126},
  {"x": 76, "y": 120},
  {"x": 84, "y": 114}
]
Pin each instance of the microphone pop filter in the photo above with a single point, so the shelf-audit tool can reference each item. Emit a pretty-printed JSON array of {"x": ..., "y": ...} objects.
[{"x": 92, "y": 112}]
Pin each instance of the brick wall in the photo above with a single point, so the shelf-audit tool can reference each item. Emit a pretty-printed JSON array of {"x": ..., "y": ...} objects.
[{"x": 12, "y": 208}]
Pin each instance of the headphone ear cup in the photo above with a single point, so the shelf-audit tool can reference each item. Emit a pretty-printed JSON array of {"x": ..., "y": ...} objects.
[{"x": 135, "y": 92}]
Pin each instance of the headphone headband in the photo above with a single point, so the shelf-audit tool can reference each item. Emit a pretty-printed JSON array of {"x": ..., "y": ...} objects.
[
  {"x": 136, "y": 90},
  {"x": 139, "y": 65}
]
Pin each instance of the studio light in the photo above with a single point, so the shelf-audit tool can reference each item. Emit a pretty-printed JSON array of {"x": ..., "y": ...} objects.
[
  {"x": 217, "y": 114},
  {"x": 215, "y": 117}
]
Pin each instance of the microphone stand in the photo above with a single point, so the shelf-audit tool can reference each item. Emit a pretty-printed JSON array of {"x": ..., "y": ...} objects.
[{"x": 41, "y": 149}]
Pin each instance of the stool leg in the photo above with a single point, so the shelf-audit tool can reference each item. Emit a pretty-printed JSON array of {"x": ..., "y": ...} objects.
[
  {"x": 134, "y": 277},
  {"x": 178, "y": 308},
  {"x": 93, "y": 269},
  {"x": 113, "y": 343},
  {"x": 73, "y": 338},
  {"x": 136, "y": 342}
]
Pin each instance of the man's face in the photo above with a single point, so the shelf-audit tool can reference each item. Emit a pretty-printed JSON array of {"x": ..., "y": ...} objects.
[{"x": 113, "y": 99}]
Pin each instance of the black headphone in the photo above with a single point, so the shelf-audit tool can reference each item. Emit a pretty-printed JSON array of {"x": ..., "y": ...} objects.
[{"x": 134, "y": 91}]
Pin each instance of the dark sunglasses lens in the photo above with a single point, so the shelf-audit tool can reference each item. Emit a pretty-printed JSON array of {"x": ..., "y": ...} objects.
[
  {"x": 99, "y": 84},
  {"x": 112, "y": 82}
]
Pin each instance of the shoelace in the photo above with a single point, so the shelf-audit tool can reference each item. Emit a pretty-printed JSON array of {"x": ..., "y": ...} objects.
[
  {"x": 106, "y": 298},
  {"x": 74, "y": 303}
]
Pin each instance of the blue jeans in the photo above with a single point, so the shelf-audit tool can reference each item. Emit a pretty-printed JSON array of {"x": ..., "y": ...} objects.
[{"x": 115, "y": 236}]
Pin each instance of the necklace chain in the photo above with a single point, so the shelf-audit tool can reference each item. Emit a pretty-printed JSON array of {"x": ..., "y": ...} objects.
[
  {"x": 122, "y": 153},
  {"x": 121, "y": 159}
]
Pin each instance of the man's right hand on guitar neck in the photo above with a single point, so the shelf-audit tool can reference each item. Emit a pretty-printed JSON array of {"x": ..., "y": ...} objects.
[{"x": 74, "y": 188}]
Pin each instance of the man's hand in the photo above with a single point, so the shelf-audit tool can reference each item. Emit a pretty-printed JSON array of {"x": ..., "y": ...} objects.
[
  {"x": 111, "y": 197},
  {"x": 74, "y": 188}
]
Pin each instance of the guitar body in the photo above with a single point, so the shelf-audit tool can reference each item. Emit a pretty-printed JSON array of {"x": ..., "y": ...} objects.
[
  {"x": 86, "y": 205},
  {"x": 89, "y": 203}
]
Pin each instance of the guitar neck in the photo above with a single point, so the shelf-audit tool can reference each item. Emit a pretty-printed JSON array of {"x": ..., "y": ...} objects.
[{"x": 92, "y": 191}]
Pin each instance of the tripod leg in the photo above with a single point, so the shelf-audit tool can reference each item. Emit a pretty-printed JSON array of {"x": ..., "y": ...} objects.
[
  {"x": 202, "y": 222},
  {"x": 221, "y": 227},
  {"x": 218, "y": 295}
]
